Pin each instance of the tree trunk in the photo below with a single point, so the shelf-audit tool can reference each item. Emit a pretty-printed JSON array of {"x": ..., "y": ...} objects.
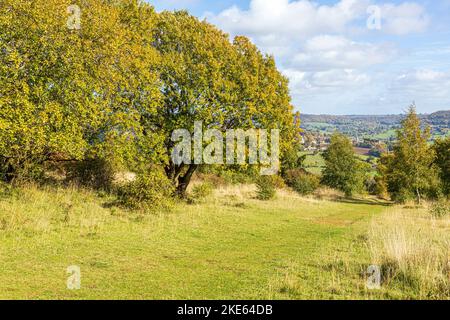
[{"x": 183, "y": 181}]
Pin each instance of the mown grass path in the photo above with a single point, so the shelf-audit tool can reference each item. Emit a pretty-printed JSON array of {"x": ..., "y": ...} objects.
[{"x": 230, "y": 247}]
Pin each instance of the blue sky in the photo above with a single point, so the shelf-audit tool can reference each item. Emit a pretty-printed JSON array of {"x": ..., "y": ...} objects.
[{"x": 346, "y": 56}]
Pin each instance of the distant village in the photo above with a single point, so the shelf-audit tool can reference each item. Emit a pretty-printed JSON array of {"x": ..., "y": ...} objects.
[
  {"x": 371, "y": 135},
  {"x": 318, "y": 142}
]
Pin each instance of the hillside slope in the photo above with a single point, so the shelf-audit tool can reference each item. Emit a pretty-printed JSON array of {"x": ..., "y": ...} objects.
[{"x": 230, "y": 246}]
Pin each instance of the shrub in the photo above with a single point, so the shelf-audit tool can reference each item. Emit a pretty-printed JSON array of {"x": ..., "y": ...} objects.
[
  {"x": 214, "y": 179},
  {"x": 94, "y": 173},
  {"x": 278, "y": 182},
  {"x": 266, "y": 189},
  {"x": 150, "y": 191},
  {"x": 21, "y": 171},
  {"x": 236, "y": 177},
  {"x": 403, "y": 196},
  {"x": 202, "y": 191},
  {"x": 440, "y": 209},
  {"x": 442, "y": 149},
  {"x": 301, "y": 181},
  {"x": 8, "y": 190},
  {"x": 380, "y": 188}
]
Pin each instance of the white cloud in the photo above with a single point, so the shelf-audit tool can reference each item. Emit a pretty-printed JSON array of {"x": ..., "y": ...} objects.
[
  {"x": 329, "y": 80},
  {"x": 289, "y": 20},
  {"x": 325, "y": 52},
  {"x": 329, "y": 54},
  {"x": 404, "y": 18},
  {"x": 313, "y": 40},
  {"x": 339, "y": 78},
  {"x": 416, "y": 82},
  {"x": 300, "y": 19},
  {"x": 425, "y": 86}
]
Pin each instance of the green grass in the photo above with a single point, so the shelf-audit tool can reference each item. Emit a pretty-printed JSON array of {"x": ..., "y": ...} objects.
[
  {"x": 384, "y": 135},
  {"x": 231, "y": 246},
  {"x": 314, "y": 162},
  {"x": 442, "y": 135}
]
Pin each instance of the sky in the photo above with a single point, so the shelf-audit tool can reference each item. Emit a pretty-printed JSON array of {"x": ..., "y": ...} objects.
[{"x": 345, "y": 56}]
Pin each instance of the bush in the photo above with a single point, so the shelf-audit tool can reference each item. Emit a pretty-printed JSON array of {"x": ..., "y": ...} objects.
[
  {"x": 301, "y": 181},
  {"x": 379, "y": 189},
  {"x": 94, "y": 173},
  {"x": 214, "y": 179},
  {"x": 21, "y": 170},
  {"x": 8, "y": 190},
  {"x": 371, "y": 186},
  {"x": 233, "y": 178},
  {"x": 202, "y": 191},
  {"x": 278, "y": 182},
  {"x": 343, "y": 170},
  {"x": 266, "y": 188},
  {"x": 440, "y": 209},
  {"x": 404, "y": 196},
  {"x": 150, "y": 191}
]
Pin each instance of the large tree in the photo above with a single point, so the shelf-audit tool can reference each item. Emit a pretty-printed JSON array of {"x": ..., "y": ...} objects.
[
  {"x": 409, "y": 171},
  {"x": 225, "y": 85},
  {"x": 75, "y": 92},
  {"x": 118, "y": 84}
]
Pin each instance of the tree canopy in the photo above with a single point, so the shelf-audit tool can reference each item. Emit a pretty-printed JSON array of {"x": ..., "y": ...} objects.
[
  {"x": 117, "y": 86},
  {"x": 343, "y": 171},
  {"x": 75, "y": 93},
  {"x": 442, "y": 150},
  {"x": 409, "y": 171}
]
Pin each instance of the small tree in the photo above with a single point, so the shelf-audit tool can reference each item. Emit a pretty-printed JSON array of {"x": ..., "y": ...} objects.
[
  {"x": 409, "y": 171},
  {"x": 343, "y": 171},
  {"x": 442, "y": 149}
]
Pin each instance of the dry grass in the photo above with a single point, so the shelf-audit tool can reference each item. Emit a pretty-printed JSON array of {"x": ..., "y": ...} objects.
[
  {"x": 325, "y": 193},
  {"x": 38, "y": 210},
  {"x": 237, "y": 192},
  {"x": 229, "y": 246},
  {"x": 413, "y": 250}
]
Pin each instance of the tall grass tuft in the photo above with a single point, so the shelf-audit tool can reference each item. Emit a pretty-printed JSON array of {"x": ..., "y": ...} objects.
[
  {"x": 35, "y": 210},
  {"x": 413, "y": 251}
]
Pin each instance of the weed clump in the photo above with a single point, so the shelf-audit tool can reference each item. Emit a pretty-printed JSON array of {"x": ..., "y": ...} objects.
[
  {"x": 202, "y": 191},
  {"x": 413, "y": 253},
  {"x": 265, "y": 188},
  {"x": 440, "y": 209}
]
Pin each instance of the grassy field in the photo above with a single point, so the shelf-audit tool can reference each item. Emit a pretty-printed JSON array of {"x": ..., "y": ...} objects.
[
  {"x": 389, "y": 134},
  {"x": 230, "y": 246},
  {"x": 314, "y": 162}
]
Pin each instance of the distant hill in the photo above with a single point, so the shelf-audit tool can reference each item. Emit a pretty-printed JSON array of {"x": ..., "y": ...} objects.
[
  {"x": 372, "y": 126},
  {"x": 440, "y": 117}
]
